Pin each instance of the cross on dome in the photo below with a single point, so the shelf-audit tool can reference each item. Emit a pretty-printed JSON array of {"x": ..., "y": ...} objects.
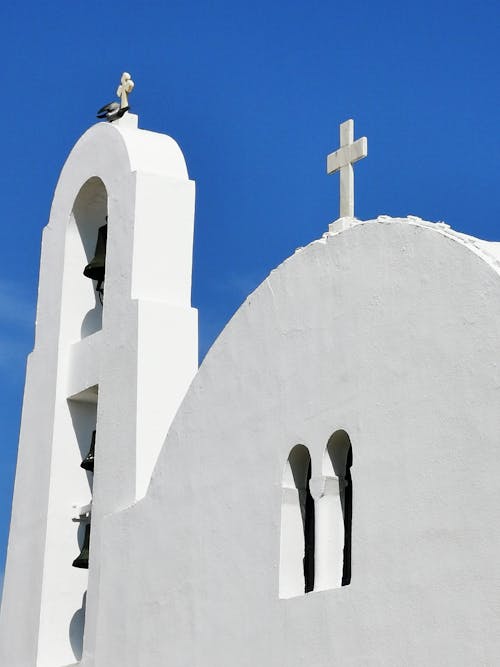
[
  {"x": 126, "y": 86},
  {"x": 350, "y": 151}
]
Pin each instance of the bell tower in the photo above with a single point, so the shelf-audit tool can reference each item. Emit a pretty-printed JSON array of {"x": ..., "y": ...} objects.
[{"x": 116, "y": 362}]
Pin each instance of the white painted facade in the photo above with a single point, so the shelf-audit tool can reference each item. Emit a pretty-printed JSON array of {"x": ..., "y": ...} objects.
[
  {"x": 121, "y": 369},
  {"x": 384, "y": 334}
]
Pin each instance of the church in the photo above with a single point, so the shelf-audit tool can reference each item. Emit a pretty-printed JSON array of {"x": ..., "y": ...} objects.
[{"x": 321, "y": 491}]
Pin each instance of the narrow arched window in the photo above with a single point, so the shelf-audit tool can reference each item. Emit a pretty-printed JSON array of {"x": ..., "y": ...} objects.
[
  {"x": 297, "y": 526},
  {"x": 338, "y": 463}
]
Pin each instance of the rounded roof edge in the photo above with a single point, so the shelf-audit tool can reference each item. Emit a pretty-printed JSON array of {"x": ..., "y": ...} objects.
[
  {"x": 154, "y": 152},
  {"x": 147, "y": 151},
  {"x": 489, "y": 251}
]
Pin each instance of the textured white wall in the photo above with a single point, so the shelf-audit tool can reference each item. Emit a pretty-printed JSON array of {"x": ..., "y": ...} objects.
[
  {"x": 389, "y": 330},
  {"x": 149, "y": 332}
]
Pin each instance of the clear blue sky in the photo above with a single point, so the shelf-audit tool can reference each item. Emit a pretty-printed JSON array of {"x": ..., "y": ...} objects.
[{"x": 253, "y": 92}]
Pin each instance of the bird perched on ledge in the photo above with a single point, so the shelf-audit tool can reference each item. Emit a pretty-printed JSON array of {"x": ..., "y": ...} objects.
[
  {"x": 112, "y": 111},
  {"x": 115, "y": 110}
]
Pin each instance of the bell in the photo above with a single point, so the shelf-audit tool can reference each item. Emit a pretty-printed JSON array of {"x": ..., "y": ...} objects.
[
  {"x": 83, "y": 559},
  {"x": 88, "y": 461},
  {"x": 96, "y": 267}
]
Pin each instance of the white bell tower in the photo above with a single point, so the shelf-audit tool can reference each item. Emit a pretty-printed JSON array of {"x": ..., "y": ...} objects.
[{"x": 120, "y": 369}]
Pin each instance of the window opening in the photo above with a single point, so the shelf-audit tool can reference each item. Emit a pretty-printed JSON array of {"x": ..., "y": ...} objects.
[
  {"x": 339, "y": 462},
  {"x": 297, "y": 526}
]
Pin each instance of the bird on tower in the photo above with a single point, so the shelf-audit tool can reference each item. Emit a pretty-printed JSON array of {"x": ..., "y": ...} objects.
[{"x": 115, "y": 110}]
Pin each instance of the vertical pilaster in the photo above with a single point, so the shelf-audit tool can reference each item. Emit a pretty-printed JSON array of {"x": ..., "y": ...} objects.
[{"x": 329, "y": 533}]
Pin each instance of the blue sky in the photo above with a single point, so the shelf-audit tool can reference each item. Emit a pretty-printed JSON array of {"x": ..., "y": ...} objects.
[{"x": 254, "y": 93}]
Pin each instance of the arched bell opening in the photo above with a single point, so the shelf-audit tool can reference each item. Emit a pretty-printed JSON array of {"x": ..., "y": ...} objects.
[
  {"x": 337, "y": 463},
  {"x": 78, "y": 464},
  {"x": 297, "y": 526},
  {"x": 83, "y": 413},
  {"x": 85, "y": 252}
]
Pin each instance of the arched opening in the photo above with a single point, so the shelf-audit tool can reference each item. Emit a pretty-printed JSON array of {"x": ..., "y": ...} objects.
[
  {"x": 82, "y": 308},
  {"x": 83, "y": 413},
  {"x": 297, "y": 526},
  {"x": 337, "y": 464}
]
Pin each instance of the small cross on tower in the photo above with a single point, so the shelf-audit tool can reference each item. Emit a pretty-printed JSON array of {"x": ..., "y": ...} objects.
[
  {"x": 350, "y": 151},
  {"x": 125, "y": 87}
]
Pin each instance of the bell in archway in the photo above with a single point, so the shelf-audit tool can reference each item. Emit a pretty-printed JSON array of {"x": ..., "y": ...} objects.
[
  {"x": 88, "y": 461},
  {"x": 82, "y": 560},
  {"x": 95, "y": 269}
]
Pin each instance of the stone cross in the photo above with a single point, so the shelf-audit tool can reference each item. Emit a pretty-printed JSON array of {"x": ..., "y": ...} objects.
[
  {"x": 125, "y": 87},
  {"x": 350, "y": 151}
]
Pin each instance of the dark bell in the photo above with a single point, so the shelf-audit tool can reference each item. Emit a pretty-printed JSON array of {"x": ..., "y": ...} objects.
[
  {"x": 88, "y": 461},
  {"x": 96, "y": 267},
  {"x": 83, "y": 559}
]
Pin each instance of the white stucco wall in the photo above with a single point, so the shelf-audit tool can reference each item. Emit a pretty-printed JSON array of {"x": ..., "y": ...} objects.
[
  {"x": 97, "y": 368},
  {"x": 390, "y": 330}
]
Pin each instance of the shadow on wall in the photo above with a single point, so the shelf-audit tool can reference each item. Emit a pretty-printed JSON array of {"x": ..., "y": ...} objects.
[{"x": 76, "y": 627}]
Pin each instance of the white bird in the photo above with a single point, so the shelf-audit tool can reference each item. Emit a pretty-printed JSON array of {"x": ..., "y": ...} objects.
[{"x": 112, "y": 111}]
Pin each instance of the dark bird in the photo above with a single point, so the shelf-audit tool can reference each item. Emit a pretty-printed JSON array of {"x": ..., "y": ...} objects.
[{"x": 112, "y": 111}]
